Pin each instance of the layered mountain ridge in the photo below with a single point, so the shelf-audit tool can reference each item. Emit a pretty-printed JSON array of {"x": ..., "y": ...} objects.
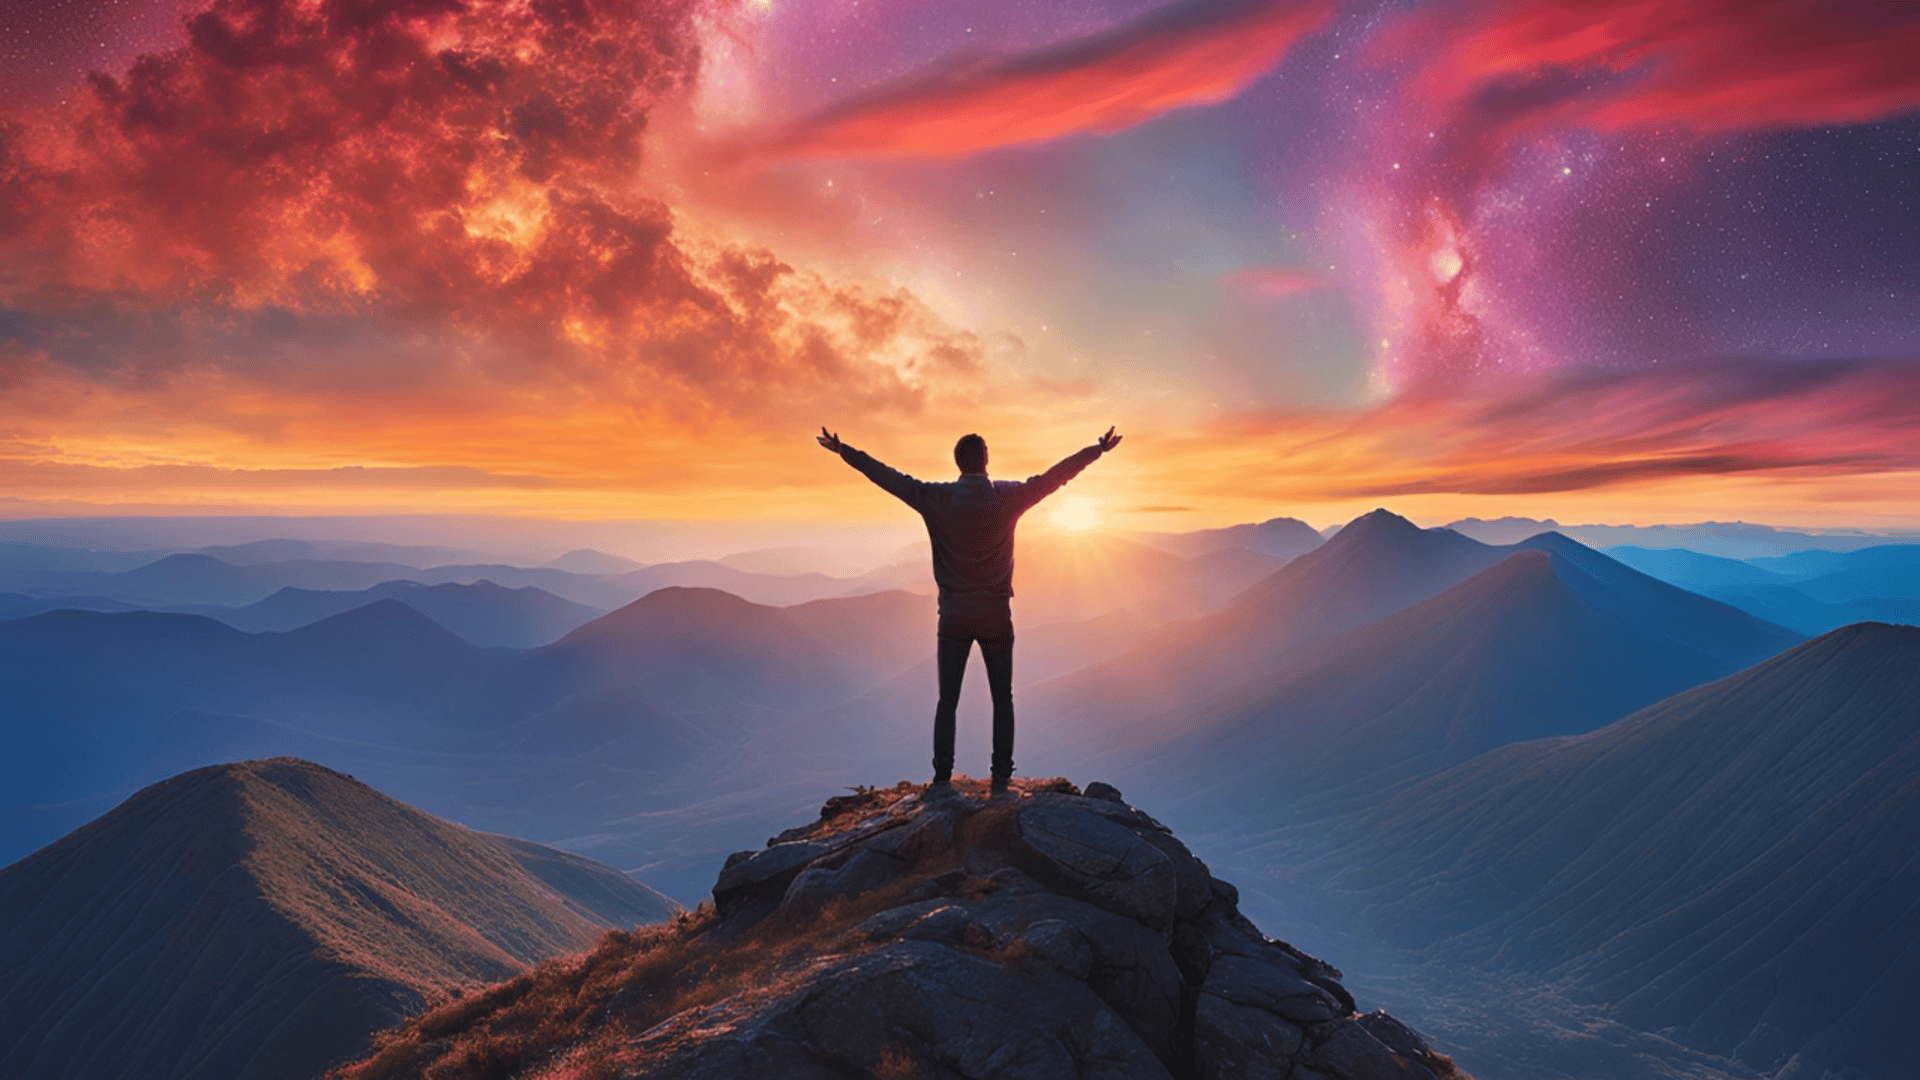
[{"x": 1546, "y": 637}]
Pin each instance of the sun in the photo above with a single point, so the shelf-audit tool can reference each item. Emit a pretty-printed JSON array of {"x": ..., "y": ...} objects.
[{"x": 1075, "y": 513}]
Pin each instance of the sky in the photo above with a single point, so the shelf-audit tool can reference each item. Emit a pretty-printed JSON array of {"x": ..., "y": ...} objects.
[{"x": 620, "y": 259}]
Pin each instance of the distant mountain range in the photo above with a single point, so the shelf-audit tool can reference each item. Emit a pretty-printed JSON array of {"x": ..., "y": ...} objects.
[
  {"x": 1732, "y": 539},
  {"x": 1810, "y": 591},
  {"x": 1378, "y": 565},
  {"x": 288, "y": 550},
  {"x": 635, "y": 713},
  {"x": 89, "y": 696},
  {"x": 483, "y": 613},
  {"x": 637, "y": 709},
  {"x": 1553, "y": 640},
  {"x": 1283, "y": 538},
  {"x": 1429, "y": 723},
  {"x": 258, "y": 920},
  {"x": 1733, "y": 864}
]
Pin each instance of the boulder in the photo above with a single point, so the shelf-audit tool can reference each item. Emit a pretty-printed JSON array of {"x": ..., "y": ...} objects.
[{"x": 1109, "y": 863}]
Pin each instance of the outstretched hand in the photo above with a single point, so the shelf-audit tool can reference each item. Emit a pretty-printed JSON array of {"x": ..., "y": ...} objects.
[
  {"x": 1107, "y": 441},
  {"x": 831, "y": 441}
]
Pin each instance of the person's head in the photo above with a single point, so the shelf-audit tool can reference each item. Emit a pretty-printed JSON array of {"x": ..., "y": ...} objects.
[{"x": 970, "y": 453}]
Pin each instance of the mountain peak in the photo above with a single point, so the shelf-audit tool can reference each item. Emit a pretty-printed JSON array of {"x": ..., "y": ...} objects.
[
  {"x": 589, "y": 561},
  {"x": 378, "y": 628},
  {"x": 385, "y": 615},
  {"x": 255, "y": 920},
  {"x": 190, "y": 558},
  {"x": 659, "y": 609},
  {"x": 1380, "y": 518},
  {"x": 1873, "y": 635},
  {"x": 693, "y": 597},
  {"x": 1057, "y": 933},
  {"x": 1554, "y": 540},
  {"x": 1378, "y": 528}
]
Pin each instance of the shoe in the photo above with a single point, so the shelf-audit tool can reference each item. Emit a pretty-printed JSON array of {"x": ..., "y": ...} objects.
[
  {"x": 1000, "y": 788},
  {"x": 938, "y": 791}
]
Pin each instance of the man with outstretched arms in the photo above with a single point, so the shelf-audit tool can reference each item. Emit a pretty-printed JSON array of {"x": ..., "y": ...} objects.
[{"x": 970, "y": 522}]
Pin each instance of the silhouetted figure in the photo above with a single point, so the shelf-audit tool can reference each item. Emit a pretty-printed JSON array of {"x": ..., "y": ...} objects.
[{"x": 970, "y": 522}]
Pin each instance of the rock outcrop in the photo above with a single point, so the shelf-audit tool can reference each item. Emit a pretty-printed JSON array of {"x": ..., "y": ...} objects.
[{"x": 1055, "y": 934}]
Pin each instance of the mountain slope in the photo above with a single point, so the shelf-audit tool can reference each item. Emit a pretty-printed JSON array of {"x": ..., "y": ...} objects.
[
  {"x": 1812, "y": 592},
  {"x": 1708, "y": 575},
  {"x": 1735, "y": 863},
  {"x": 1534, "y": 646},
  {"x": 1685, "y": 617},
  {"x": 203, "y": 579},
  {"x": 87, "y": 696},
  {"x": 1265, "y": 646},
  {"x": 881, "y": 632},
  {"x": 1890, "y": 560},
  {"x": 1377, "y": 565},
  {"x": 260, "y": 919},
  {"x": 698, "y": 649}
]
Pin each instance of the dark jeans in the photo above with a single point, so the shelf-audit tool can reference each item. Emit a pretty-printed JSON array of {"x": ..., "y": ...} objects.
[{"x": 992, "y": 627}]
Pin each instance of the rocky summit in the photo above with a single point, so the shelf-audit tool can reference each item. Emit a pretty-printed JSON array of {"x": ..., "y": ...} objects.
[{"x": 905, "y": 934}]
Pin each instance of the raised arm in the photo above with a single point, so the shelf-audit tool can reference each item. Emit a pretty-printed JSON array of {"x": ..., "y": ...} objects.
[
  {"x": 1045, "y": 484},
  {"x": 891, "y": 480}
]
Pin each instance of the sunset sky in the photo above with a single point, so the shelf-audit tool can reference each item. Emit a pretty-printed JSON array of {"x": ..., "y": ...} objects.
[{"x": 592, "y": 259}]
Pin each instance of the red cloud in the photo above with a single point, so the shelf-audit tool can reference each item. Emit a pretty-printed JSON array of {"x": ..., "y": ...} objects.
[
  {"x": 1190, "y": 53},
  {"x": 415, "y": 187},
  {"x": 1595, "y": 429},
  {"x": 1707, "y": 65}
]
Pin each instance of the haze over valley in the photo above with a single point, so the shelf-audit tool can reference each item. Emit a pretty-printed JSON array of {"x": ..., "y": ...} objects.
[{"x": 1362, "y": 728}]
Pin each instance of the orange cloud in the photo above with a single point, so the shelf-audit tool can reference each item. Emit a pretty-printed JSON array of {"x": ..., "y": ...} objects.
[
  {"x": 1578, "y": 432},
  {"x": 332, "y": 248},
  {"x": 425, "y": 190},
  {"x": 1190, "y": 53}
]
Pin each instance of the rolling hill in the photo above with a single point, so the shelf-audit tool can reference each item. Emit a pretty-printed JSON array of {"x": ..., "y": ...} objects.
[{"x": 259, "y": 920}]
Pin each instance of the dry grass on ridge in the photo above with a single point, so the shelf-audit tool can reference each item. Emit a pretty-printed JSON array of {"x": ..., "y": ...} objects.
[{"x": 578, "y": 1017}]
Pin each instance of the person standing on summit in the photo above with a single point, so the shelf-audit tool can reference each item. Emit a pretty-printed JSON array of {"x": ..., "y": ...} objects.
[{"x": 970, "y": 522}]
